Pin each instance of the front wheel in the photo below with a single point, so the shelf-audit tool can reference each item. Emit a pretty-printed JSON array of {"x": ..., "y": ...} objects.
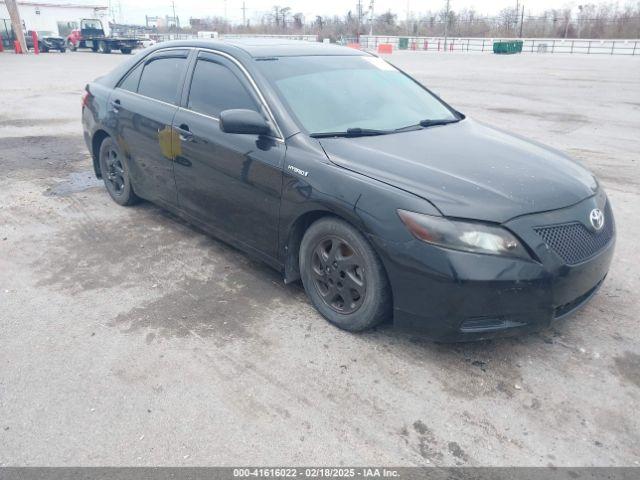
[
  {"x": 103, "y": 47},
  {"x": 125, "y": 51},
  {"x": 116, "y": 174},
  {"x": 343, "y": 276},
  {"x": 71, "y": 46}
]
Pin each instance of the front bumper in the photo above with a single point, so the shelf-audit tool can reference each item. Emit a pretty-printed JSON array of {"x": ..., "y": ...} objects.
[
  {"x": 54, "y": 44},
  {"x": 457, "y": 296}
]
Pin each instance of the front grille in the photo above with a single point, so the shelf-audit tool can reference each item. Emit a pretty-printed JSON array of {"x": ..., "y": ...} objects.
[
  {"x": 487, "y": 324},
  {"x": 576, "y": 303},
  {"x": 575, "y": 243}
]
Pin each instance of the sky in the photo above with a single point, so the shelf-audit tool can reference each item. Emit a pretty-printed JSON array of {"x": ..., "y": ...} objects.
[{"x": 133, "y": 11}]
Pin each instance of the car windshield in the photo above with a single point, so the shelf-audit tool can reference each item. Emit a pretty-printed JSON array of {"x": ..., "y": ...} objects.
[
  {"x": 46, "y": 33},
  {"x": 91, "y": 24},
  {"x": 337, "y": 93}
]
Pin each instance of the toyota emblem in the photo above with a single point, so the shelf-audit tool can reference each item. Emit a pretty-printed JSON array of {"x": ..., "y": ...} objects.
[{"x": 596, "y": 217}]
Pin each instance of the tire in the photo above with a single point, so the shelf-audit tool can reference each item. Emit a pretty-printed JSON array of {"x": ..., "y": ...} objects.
[
  {"x": 103, "y": 47},
  {"x": 43, "y": 49},
  {"x": 343, "y": 276},
  {"x": 62, "y": 49},
  {"x": 71, "y": 46},
  {"x": 115, "y": 173},
  {"x": 125, "y": 51}
]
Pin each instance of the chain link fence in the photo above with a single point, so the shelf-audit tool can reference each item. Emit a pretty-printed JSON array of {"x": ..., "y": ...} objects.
[{"x": 530, "y": 45}]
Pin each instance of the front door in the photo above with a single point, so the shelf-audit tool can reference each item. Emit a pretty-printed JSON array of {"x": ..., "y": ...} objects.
[
  {"x": 230, "y": 182},
  {"x": 144, "y": 105}
]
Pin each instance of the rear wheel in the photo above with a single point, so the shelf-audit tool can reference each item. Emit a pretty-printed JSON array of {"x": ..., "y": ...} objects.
[
  {"x": 115, "y": 173},
  {"x": 63, "y": 49},
  {"x": 125, "y": 51},
  {"x": 103, "y": 47},
  {"x": 343, "y": 276},
  {"x": 71, "y": 46}
]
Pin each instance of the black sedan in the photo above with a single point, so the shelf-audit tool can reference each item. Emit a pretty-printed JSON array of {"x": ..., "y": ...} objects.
[
  {"x": 338, "y": 169},
  {"x": 46, "y": 41}
]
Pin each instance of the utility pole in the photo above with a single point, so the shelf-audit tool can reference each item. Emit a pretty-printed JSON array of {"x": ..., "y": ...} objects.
[
  {"x": 446, "y": 25},
  {"x": 567, "y": 19},
  {"x": 244, "y": 14},
  {"x": 521, "y": 21},
  {"x": 359, "y": 14},
  {"x": 16, "y": 23},
  {"x": 173, "y": 6},
  {"x": 580, "y": 7},
  {"x": 406, "y": 20},
  {"x": 371, "y": 18}
]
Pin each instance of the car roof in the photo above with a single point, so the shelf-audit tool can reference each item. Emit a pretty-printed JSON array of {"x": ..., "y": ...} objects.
[
  {"x": 267, "y": 47},
  {"x": 277, "y": 47}
]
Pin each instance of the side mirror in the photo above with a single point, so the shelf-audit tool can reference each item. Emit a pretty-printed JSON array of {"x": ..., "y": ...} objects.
[{"x": 243, "y": 121}]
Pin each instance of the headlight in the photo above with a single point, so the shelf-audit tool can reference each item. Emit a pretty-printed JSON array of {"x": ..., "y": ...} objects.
[{"x": 466, "y": 236}]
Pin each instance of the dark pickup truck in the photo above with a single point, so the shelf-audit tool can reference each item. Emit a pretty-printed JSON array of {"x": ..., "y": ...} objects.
[{"x": 91, "y": 35}]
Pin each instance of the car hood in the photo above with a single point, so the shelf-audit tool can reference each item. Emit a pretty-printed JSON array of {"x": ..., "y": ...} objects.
[
  {"x": 53, "y": 39},
  {"x": 468, "y": 170}
]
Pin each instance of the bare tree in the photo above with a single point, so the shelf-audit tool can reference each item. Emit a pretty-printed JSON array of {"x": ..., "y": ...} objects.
[{"x": 589, "y": 20}]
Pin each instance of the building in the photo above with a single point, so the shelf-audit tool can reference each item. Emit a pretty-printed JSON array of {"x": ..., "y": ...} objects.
[
  {"x": 57, "y": 16},
  {"x": 166, "y": 22}
]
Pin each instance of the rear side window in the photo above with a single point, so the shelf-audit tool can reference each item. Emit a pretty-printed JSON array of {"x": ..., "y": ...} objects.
[
  {"x": 160, "y": 78},
  {"x": 132, "y": 79},
  {"x": 215, "y": 88}
]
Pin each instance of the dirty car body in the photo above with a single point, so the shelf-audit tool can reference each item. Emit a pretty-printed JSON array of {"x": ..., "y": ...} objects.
[{"x": 481, "y": 233}]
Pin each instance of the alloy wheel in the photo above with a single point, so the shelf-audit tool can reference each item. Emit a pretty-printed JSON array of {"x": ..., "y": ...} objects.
[
  {"x": 338, "y": 274},
  {"x": 115, "y": 172}
]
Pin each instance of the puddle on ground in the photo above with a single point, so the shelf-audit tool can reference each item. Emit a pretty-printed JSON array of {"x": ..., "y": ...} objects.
[
  {"x": 76, "y": 182},
  {"x": 33, "y": 122}
]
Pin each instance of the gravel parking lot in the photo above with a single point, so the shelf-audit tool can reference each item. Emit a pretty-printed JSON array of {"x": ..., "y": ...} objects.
[{"x": 128, "y": 337}]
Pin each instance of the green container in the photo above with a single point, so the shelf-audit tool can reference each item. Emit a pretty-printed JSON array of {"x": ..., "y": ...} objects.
[
  {"x": 506, "y": 48},
  {"x": 403, "y": 43}
]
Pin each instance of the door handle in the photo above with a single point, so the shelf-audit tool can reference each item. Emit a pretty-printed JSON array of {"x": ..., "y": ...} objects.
[
  {"x": 115, "y": 106},
  {"x": 184, "y": 133}
]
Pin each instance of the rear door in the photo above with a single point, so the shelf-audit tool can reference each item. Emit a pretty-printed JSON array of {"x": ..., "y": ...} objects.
[
  {"x": 231, "y": 182},
  {"x": 144, "y": 105}
]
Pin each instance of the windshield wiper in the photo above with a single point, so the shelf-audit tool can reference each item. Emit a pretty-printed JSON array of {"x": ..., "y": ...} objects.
[
  {"x": 425, "y": 123},
  {"x": 408, "y": 128},
  {"x": 366, "y": 132},
  {"x": 431, "y": 123},
  {"x": 352, "y": 132}
]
